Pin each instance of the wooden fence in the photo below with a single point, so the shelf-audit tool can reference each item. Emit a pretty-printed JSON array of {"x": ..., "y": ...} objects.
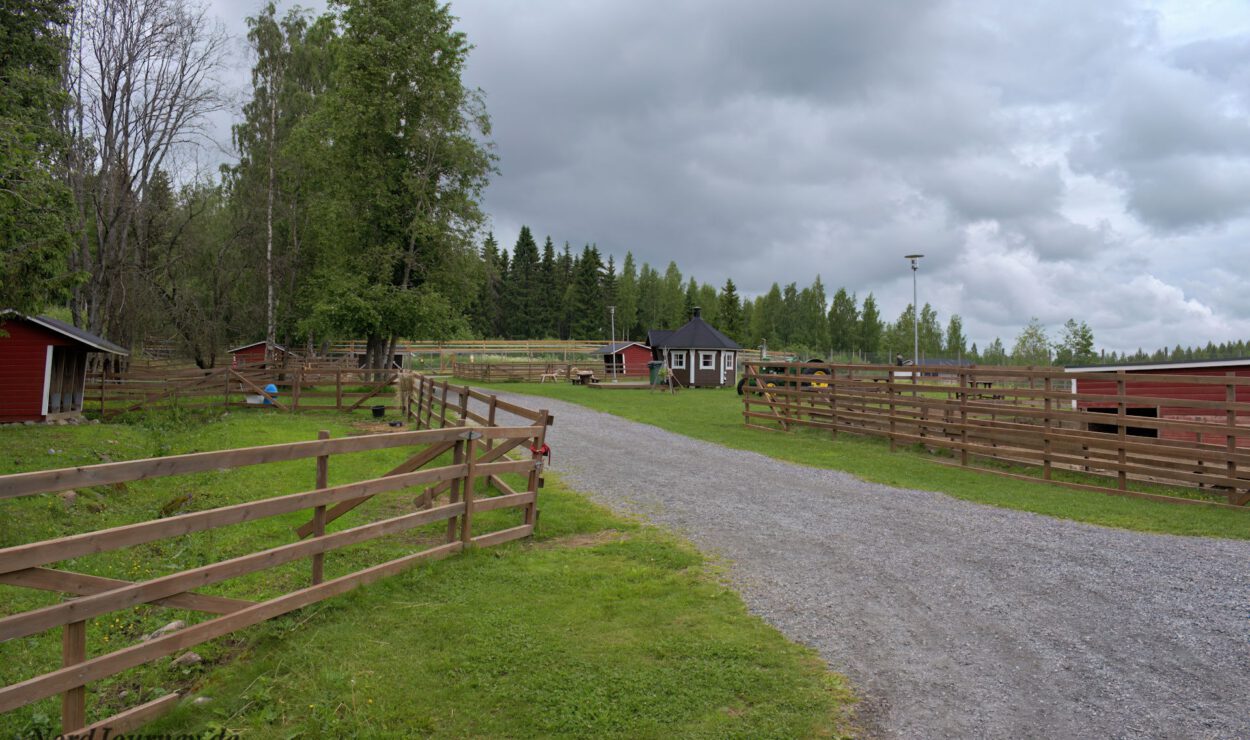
[
  {"x": 479, "y": 452},
  {"x": 1029, "y": 416},
  {"x": 324, "y": 387}
]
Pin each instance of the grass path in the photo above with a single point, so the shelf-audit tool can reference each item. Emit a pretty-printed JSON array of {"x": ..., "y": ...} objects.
[{"x": 716, "y": 416}]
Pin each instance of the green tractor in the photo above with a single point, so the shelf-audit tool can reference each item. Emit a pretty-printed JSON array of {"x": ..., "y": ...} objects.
[{"x": 782, "y": 381}]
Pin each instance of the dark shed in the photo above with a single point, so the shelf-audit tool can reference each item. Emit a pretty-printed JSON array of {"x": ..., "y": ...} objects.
[{"x": 697, "y": 355}]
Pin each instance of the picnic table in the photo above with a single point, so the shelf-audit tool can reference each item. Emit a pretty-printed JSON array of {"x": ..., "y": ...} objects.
[{"x": 583, "y": 377}]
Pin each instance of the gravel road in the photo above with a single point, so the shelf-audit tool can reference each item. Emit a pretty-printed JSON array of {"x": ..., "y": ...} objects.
[{"x": 952, "y": 619}]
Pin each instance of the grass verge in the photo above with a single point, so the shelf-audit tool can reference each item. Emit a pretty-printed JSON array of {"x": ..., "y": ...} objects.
[
  {"x": 715, "y": 415},
  {"x": 598, "y": 626}
]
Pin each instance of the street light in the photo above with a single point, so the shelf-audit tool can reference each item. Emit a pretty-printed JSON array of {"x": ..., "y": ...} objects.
[
  {"x": 612, "y": 341},
  {"x": 915, "y": 317}
]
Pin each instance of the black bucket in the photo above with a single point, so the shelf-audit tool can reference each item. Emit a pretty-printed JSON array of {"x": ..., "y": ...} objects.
[{"x": 379, "y": 412}]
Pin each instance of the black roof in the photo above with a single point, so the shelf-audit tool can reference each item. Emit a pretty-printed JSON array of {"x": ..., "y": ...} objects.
[
  {"x": 698, "y": 334},
  {"x": 611, "y": 349},
  {"x": 657, "y": 337},
  {"x": 69, "y": 330}
]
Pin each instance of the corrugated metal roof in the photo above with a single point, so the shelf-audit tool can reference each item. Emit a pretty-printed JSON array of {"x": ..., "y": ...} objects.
[
  {"x": 612, "y": 349},
  {"x": 278, "y": 347},
  {"x": 71, "y": 331}
]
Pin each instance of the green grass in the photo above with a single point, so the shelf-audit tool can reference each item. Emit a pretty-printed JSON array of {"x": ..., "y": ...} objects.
[
  {"x": 715, "y": 415},
  {"x": 597, "y": 626}
]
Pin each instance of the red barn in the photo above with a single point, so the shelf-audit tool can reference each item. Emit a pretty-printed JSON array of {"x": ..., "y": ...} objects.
[
  {"x": 1176, "y": 398},
  {"x": 43, "y": 367},
  {"x": 629, "y": 359},
  {"x": 255, "y": 354}
]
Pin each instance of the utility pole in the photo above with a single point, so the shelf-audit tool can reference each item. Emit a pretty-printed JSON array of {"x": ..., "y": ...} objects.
[
  {"x": 915, "y": 317},
  {"x": 612, "y": 339}
]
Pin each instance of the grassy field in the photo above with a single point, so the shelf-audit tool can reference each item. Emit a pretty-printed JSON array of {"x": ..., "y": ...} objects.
[
  {"x": 597, "y": 626},
  {"x": 715, "y": 415}
]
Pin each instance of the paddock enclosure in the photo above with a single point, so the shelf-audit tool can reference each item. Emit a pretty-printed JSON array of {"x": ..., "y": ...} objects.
[
  {"x": 1031, "y": 416},
  {"x": 455, "y": 450}
]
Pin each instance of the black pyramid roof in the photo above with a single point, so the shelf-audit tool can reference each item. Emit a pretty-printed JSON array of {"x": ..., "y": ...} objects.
[{"x": 698, "y": 334}]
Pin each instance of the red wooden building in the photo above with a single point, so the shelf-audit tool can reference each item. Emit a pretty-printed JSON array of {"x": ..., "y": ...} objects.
[
  {"x": 256, "y": 354},
  {"x": 628, "y": 359},
  {"x": 43, "y": 367},
  {"x": 1160, "y": 391}
]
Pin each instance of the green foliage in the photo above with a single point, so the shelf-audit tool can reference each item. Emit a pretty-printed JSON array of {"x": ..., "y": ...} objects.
[
  {"x": 35, "y": 204},
  {"x": 1032, "y": 346},
  {"x": 843, "y": 322},
  {"x": 1077, "y": 345},
  {"x": 730, "y": 318}
]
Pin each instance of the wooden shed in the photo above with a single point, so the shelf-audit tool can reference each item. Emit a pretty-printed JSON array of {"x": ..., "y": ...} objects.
[
  {"x": 1173, "y": 395},
  {"x": 43, "y": 367},
  {"x": 257, "y": 353},
  {"x": 697, "y": 355},
  {"x": 625, "y": 359}
]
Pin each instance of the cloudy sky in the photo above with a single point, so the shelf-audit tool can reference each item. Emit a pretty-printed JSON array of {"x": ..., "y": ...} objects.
[{"x": 1053, "y": 159}]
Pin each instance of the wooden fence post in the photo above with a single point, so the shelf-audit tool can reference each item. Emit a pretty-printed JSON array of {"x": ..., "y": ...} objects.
[
  {"x": 1230, "y": 442},
  {"x": 1121, "y": 432},
  {"x": 466, "y": 522},
  {"x": 73, "y": 701},
  {"x": 299, "y": 381},
  {"x": 889, "y": 389},
  {"x": 464, "y": 406},
  {"x": 319, "y": 512},
  {"x": 490, "y": 419},
  {"x": 963, "y": 418},
  {"x": 1046, "y": 425},
  {"x": 535, "y": 477},
  {"x": 453, "y": 496},
  {"x": 833, "y": 402},
  {"x": 442, "y": 408},
  {"x": 338, "y": 389}
]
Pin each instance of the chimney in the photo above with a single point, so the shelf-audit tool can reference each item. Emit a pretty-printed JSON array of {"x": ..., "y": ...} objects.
[{"x": 698, "y": 312}]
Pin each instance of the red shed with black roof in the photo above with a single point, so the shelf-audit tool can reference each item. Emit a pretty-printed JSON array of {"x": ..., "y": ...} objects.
[{"x": 43, "y": 367}]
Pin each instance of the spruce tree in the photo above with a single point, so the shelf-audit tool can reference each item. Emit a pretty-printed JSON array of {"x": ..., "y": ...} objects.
[
  {"x": 843, "y": 322},
  {"x": 549, "y": 297},
  {"x": 522, "y": 300},
  {"x": 627, "y": 300},
  {"x": 730, "y": 312},
  {"x": 870, "y": 327}
]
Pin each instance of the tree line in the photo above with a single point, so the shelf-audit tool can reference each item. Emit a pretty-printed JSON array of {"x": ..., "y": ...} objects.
[{"x": 353, "y": 209}]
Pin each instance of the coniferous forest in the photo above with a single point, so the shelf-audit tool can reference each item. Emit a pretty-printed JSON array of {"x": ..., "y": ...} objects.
[{"x": 352, "y": 206}]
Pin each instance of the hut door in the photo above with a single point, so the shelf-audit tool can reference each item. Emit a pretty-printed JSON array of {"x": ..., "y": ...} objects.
[{"x": 65, "y": 379}]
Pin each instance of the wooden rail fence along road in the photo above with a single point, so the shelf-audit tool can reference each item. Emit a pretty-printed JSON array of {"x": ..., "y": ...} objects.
[
  {"x": 462, "y": 428},
  {"x": 1196, "y": 433}
]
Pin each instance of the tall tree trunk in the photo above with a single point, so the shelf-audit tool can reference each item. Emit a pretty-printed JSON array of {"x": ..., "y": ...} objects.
[{"x": 271, "y": 327}]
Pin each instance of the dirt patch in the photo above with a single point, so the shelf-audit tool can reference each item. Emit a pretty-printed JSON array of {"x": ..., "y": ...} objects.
[{"x": 583, "y": 540}]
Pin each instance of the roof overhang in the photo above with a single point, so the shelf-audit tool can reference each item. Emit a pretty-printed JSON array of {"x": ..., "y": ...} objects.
[
  {"x": 1202, "y": 365},
  {"x": 96, "y": 343}
]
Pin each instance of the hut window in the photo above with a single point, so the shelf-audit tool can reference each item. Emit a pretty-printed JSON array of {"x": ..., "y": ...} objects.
[
  {"x": 707, "y": 360},
  {"x": 678, "y": 360}
]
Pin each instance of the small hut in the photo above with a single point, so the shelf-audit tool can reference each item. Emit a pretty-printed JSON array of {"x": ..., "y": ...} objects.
[
  {"x": 625, "y": 359},
  {"x": 697, "y": 355},
  {"x": 43, "y": 367},
  {"x": 258, "y": 353}
]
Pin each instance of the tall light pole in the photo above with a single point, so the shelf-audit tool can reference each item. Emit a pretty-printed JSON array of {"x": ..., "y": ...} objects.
[
  {"x": 612, "y": 340},
  {"x": 915, "y": 317}
]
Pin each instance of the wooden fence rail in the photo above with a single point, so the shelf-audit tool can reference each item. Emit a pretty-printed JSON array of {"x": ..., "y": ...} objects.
[
  {"x": 298, "y": 388},
  {"x": 1166, "y": 429},
  {"x": 466, "y": 429}
]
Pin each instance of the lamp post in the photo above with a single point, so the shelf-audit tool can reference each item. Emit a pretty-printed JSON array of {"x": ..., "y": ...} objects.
[
  {"x": 915, "y": 317},
  {"x": 612, "y": 340}
]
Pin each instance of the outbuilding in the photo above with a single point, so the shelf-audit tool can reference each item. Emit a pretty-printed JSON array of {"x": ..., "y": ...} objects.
[
  {"x": 257, "y": 353},
  {"x": 625, "y": 359},
  {"x": 1199, "y": 401},
  {"x": 43, "y": 367},
  {"x": 697, "y": 355}
]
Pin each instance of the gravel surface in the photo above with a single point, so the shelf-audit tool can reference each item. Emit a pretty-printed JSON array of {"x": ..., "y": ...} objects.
[{"x": 953, "y": 619}]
